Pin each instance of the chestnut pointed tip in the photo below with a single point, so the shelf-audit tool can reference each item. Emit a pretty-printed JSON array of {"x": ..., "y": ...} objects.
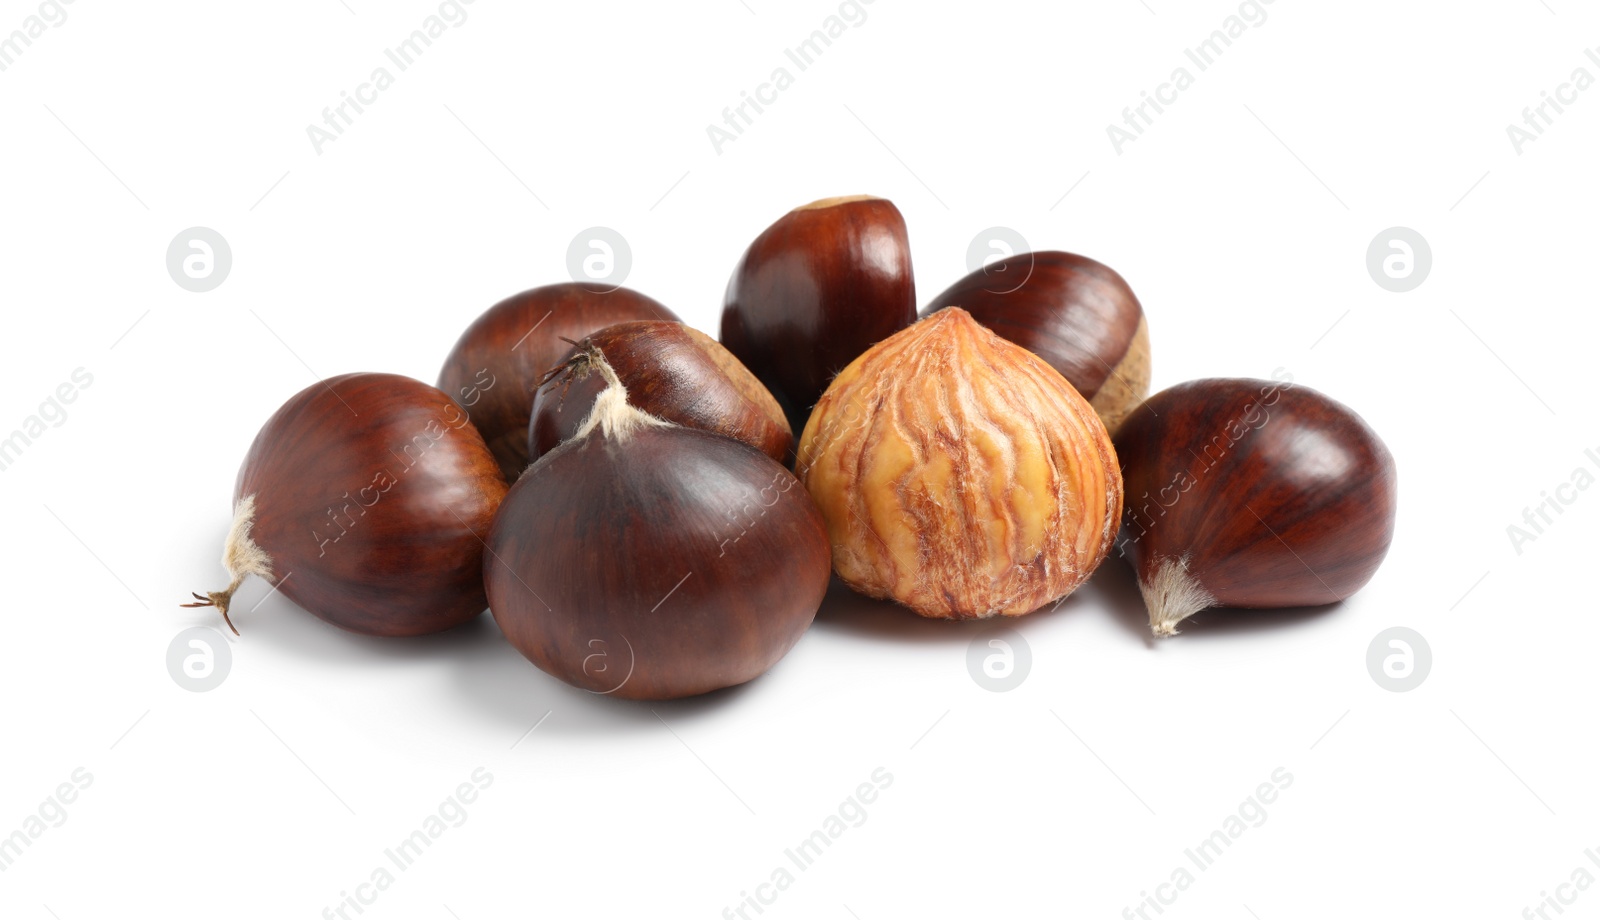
[{"x": 1171, "y": 595}]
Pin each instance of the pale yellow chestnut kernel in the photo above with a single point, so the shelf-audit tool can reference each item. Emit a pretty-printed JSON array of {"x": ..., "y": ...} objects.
[{"x": 959, "y": 474}]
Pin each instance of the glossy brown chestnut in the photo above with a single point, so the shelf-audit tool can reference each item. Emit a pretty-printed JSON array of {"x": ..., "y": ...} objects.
[
  {"x": 1077, "y": 314},
  {"x": 497, "y": 364},
  {"x": 672, "y": 371},
  {"x": 646, "y": 560},
  {"x": 1251, "y": 493},
  {"x": 816, "y": 289},
  {"x": 363, "y": 500}
]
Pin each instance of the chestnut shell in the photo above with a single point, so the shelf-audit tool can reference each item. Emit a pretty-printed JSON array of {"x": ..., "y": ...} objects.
[
  {"x": 668, "y": 564},
  {"x": 1290, "y": 497},
  {"x": 497, "y": 364},
  {"x": 672, "y": 371},
  {"x": 412, "y": 560},
  {"x": 820, "y": 286}
]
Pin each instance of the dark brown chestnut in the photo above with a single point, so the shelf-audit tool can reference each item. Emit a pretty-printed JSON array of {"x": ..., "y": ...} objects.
[
  {"x": 1251, "y": 493},
  {"x": 646, "y": 560},
  {"x": 363, "y": 500},
  {"x": 672, "y": 371},
  {"x": 497, "y": 364},
  {"x": 1080, "y": 316},
  {"x": 816, "y": 289}
]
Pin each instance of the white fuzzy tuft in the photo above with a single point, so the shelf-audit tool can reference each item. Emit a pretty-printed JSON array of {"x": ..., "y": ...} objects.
[
  {"x": 611, "y": 413},
  {"x": 240, "y": 554},
  {"x": 1172, "y": 595}
]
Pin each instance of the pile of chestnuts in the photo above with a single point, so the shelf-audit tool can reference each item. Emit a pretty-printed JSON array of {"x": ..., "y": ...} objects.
[{"x": 651, "y": 513}]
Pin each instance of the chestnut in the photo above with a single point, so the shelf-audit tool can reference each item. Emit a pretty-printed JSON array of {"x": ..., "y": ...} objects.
[
  {"x": 672, "y": 371},
  {"x": 498, "y": 362},
  {"x": 820, "y": 286},
  {"x": 363, "y": 500},
  {"x": 1080, "y": 316},
  {"x": 959, "y": 474},
  {"x": 1251, "y": 493},
  {"x": 650, "y": 561}
]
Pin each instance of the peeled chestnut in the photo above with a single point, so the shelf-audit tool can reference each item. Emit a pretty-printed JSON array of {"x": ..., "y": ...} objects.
[
  {"x": 651, "y": 561},
  {"x": 1078, "y": 315},
  {"x": 819, "y": 287},
  {"x": 363, "y": 500},
  {"x": 672, "y": 371},
  {"x": 497, "y": 364},
  {"x": 1251, "y": 493},
  {"x": 959, "y": 474}
]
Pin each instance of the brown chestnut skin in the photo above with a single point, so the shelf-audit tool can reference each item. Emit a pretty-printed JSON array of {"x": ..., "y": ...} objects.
[
  {"x": 672, "y": 371},
  {"x": 1080, "y": 316},
  {"x": 816, "y": 289},
  {"x": 497, "y": 364},
  {"x": 1251, "y": 493},
  {"x": 655, "y": 562},
  {"x": 370, "y": 494}
]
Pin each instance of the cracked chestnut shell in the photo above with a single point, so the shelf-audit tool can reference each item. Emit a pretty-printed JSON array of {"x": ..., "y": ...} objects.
[
  {"x": 1078, "y": 315},
  {"x": 672, "y": 371},
  {"x": 960, "y": 474},
  {"x": 1251, "y": 493},
  {"x": 645, "y": 560},
  {"x": 497, "y": 364},
  {"x": 820, "y": 286}
]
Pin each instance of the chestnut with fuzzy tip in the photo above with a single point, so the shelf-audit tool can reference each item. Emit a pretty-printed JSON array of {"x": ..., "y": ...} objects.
[
  {"x": 1077, "y": 314},
  {"x": 497, "y": 364},
  {"x": 820, "y": 286},
  {"x": 363, "y": 500},
  {"x": 1251, "y": 493},
  {"x": 645, "y": 560},
  {"x": 672, "y": 371}
]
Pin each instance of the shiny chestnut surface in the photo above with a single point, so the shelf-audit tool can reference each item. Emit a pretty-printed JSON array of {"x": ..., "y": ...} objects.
[
  {"x": 372, "y": 491},
  {"x": 496, "y": 366},
  {"x": 1277, "y": 495},
  {"x": 667, "y": 564},
  {"x": 820, "y": 286}
]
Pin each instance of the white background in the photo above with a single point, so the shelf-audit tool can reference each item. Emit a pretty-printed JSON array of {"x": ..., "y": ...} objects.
[{"x": 1241, "y": 217}]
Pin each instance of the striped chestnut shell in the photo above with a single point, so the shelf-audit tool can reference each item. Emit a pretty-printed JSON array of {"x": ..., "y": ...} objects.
[
  {"x": 1252, "y": 493},
  {"x": 959, "y": 474}
]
